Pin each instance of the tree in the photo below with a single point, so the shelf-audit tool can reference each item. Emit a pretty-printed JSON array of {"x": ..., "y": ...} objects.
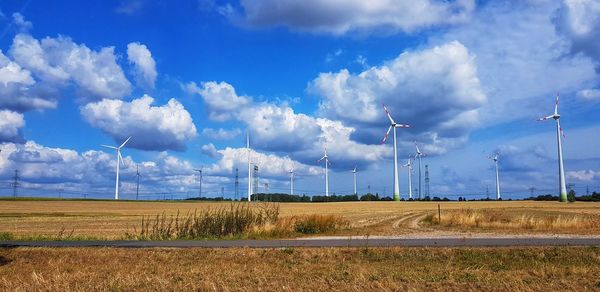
[{"x": 571, "y": 196}]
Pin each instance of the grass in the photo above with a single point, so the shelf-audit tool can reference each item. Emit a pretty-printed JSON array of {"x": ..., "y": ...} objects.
[
  {"x": 534, "y": 220},
  {"x": 301, "y": 269},
  {"x": 111, "y": 220}
]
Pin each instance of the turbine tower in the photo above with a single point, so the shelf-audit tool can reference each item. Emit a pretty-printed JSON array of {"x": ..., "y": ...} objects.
[
  {"x": 249, "y": 170},
  {"x": 495, "y": 159},
  {"x": 137, "y": 188},
  {"x": 394, "y": 125},
  {"x": 419, "y": 154},
  {"x": 561, "y": 171},
  {"x": 354, "y": 174},
  {"x": 326, "y": 172},
  {"x": 292, "y": 180},
  {"x": 199, "y": 182},
  {"x": 119, "y": 159},
  {"x": 410, "y": 169}
]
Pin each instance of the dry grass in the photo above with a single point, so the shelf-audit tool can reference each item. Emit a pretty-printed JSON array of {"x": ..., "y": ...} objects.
[
  {"x": 319, "y": 269},
  {"x": 111, "y": 220},
  {"x": 533, "y": 220}
]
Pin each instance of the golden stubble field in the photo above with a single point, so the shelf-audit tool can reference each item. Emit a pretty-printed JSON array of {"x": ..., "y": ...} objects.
[{"x": 111, "y": 220}]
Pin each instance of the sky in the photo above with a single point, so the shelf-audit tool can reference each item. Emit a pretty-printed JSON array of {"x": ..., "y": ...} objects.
[{"x": 188, "y": 81}]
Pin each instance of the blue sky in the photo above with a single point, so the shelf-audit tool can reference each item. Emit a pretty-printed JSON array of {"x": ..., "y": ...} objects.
[{"x": 188, "y": 80}]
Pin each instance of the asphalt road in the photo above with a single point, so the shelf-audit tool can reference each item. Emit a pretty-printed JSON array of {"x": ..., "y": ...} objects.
[{"x": 325, "y": 242}]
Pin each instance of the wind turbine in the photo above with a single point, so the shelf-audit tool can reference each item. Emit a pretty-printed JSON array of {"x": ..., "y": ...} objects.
[
  {"x": 249, "y": 170},
  {"x": 199, "y": 171},
  {"x": 326, "y": 172},
  {"x": 495, "y": 159},
  {"x": 119, "y": 159},
  {"x": 292, "y": 179},
  {"x": 561, "y": 170},
  {"x": 354, "y": 174},
  {"x": 410, "y": 168},
  {"x": 394, "y": 125},
  {"x": 419, "y": 154}
]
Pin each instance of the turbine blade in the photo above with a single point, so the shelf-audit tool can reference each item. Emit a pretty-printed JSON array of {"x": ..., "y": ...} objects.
[
  {"x": 556, "y": 105},
  {"x": 111, "y": 147},
  {"x": 418, "y": 151},
  {"x": 386, "y": 135},
  {"x": 545, "y": 118},
  {"x": 402, "y": 126},
  {"x": 125, "y": 142},
  {"x": 120, "y": 158},
  {"x": 388, "y": 113},
  {"x": 562, "y": 132}
]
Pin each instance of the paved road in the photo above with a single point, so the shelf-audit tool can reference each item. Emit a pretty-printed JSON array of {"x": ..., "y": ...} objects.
[{"x": 325, "y": 242}]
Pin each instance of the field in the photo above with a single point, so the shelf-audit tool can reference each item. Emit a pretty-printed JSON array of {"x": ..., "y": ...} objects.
[
  {"x": 301, "y": 269},
  {"x": 112, "y": 220}
]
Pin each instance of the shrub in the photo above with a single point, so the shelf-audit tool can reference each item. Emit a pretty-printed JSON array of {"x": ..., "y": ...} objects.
[{"x": 313, "y": 224}]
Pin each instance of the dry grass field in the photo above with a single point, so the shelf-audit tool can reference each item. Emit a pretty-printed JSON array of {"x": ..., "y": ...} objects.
[
  {"x": 111, "y": 220},
  {"x": 301, "y": 269}
]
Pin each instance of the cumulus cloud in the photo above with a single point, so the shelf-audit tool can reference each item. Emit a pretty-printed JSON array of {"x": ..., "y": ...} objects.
[
  {"x": 22, "y": 24},
  {"x": 340, "y": 17},
  {"x": 436, "y": 90},
  {"x": 589, "y": 94},
  {"x": 221, "y": 134},
  {"x": 583, "y": 175},
  {"x": 210, "y": 150},
  {"x": 579, "y": 21},
  {"x": 18, "y": 89},
  {"x": 58, "y": 61},
  {"x": 221, "y": 99},
  {"x": 10, "y": 125},
  {"x": 164, "y": 127},
  {"x": 143, "y": 63}
]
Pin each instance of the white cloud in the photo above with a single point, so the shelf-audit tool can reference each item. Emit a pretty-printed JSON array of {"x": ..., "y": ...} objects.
[
  {"x": 340, "y": 17},
  {"x": 589, "y": 94},
  {"x": 59, "y": 60},
  {"x": 10, "y": 124},
  {"x": 435, "y": 90},
  {"x": 144, "y": 65},
  {"x": 163, "y": 127},
  {"x": 221, "y": 99},
  {"x": 579, "y": 20},
  {"x": 210, "y": 150},
  {"x": 22, "y": 24},
  {"x": 221, "y": 134},
  {"x": 583, "y": 175}
]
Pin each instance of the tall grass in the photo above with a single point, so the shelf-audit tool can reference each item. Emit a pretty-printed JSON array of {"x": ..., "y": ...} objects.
[
  {"x": 510, "y": 220},
  {"x": 220, "y": 222}
]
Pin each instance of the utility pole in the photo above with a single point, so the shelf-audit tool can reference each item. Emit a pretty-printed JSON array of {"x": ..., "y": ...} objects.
[
  {"x": 137, "y": 188},
  {"x": 587, "y": 190},
  {"x": 15, "y": 183},
  {"x": 369, "y": 187},
  {"x": 532, "y": 189},
  {"x": 487, "y": 192},
  {"x": 255, "y": 177},
  {"x": 237, "y": 184},
  {"x": 222, "y": 192}
]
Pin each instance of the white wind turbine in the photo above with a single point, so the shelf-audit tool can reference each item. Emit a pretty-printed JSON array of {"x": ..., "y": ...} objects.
[
  {"x": 561, "y": 170},
  {"x": 495, "y": 158},
  {"x": 119, "y": 159},
  {"x": 354, "y": 174},
  {"x": 394, "y": 125},
  {"x": 410, "y": 169},
  {"x": 249, "y": 169},
  {"x": 292, "y": 179},
  {"x": 326, "y": 172},
  {"x": 419, "y": 154}
]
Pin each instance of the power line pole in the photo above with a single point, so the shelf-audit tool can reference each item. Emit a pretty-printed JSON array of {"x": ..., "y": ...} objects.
[
  {"x": 487, "y": 191},
  {"x": 199, "y": 182},
  {"x": 255, "y": 177},
  {"x": 222, "y": 192},
  {"x": 532, "y": 189},
  {"x": 587, "y": 190},
  {"x": 427, "y": 180},
  {"x": 15, "y": 183},
  {"x": 237, "y": 184}
]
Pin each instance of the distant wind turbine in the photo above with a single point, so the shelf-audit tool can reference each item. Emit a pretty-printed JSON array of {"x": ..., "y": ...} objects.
[
  {"x": 410, "y": 168},
  {"x": 292, "y": 179},
  {"x": 394, "y": 125},
  {"x": 561, "y": 171},
  {"x": 326, "y": 172},
  {"x": 354, "y": 174},
  {"x": 495, "y": 158},
  {"x": 419, "y": 154},
  {"x": 119, "y": 159}
]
